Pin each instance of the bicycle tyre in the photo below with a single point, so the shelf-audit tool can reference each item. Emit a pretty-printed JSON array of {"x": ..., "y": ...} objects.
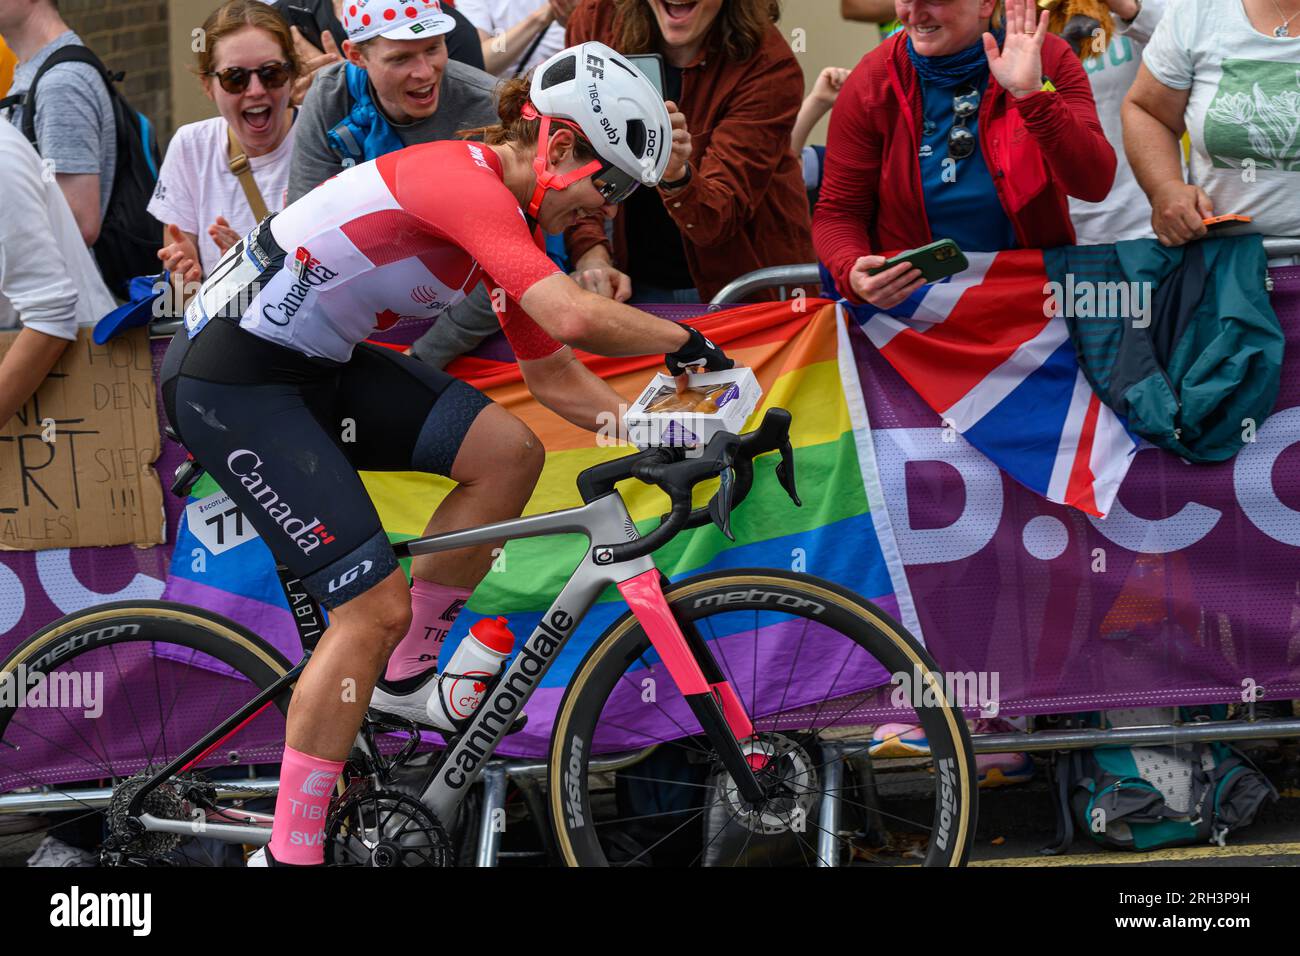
[{"x": 702, "y": 596}]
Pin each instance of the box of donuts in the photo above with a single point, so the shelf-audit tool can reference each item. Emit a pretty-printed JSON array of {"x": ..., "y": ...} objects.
[{"x": 713, "y": 402}]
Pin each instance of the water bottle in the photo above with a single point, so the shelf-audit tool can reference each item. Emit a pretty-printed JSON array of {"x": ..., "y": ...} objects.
[{"x": 476, "y": 661}]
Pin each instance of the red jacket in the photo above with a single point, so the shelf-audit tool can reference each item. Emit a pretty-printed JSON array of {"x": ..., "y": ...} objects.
[
  {"x": 745, "y": 207},
  {"x": 1039, "y": 150}
]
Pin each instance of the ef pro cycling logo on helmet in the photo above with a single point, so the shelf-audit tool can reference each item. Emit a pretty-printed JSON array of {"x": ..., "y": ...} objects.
[{"x": 596, "y": 67}]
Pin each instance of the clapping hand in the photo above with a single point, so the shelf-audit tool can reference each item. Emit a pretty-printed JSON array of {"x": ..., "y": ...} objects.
[
  {"x": 222, "y": 234},
  {"x": 179, "y": 256}
]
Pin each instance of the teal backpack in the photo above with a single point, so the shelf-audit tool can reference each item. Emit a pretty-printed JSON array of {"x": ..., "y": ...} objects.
[{"x": 1146, "y": 798}]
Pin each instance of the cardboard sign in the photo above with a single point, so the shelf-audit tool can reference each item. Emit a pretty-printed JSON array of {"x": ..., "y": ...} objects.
[{"x": 76, "y": 461}]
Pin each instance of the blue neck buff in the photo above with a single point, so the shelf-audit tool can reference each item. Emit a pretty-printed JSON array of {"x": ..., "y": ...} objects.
[
  {"x": 955, "y": 69},
  {"x": 364, "y": 133}
]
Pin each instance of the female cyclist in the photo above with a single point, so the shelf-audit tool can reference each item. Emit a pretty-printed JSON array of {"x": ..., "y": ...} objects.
[{"x": 271, "y": 386}]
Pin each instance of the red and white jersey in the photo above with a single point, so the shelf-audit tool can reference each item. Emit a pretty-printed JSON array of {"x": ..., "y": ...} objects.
[{"x": 406, "y": 235}]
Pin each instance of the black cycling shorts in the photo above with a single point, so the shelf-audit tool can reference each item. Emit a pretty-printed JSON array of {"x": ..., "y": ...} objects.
[{"x": 285, "y": 434}]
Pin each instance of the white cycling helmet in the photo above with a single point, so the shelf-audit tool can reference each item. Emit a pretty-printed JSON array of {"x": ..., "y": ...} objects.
[{"x": 617, "y": 110}]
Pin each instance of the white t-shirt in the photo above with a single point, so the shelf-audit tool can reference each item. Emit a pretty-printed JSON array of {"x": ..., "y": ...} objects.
[
  {"x": 498, "y": 16},
  {"x": 48, "y": 279},
  {"x": 195, "y": 184},
  {"x": 1243, "y": 114},
  {"x": 1126, "y": 212}
]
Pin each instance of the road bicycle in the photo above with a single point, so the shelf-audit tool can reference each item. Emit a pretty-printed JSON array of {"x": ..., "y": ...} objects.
[{"x": 750, "y": 678}]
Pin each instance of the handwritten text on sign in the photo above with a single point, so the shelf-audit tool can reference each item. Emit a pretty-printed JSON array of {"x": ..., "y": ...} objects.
[{"x": 76, "y": 461}]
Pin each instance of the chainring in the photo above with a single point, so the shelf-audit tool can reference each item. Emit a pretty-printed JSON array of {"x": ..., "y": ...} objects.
[{"x": 384, "y": 828}]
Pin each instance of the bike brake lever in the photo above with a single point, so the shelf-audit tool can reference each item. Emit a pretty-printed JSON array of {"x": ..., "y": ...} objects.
[
  {"x": 720, "y": 503},
  {"x": 785, "y": 473}
]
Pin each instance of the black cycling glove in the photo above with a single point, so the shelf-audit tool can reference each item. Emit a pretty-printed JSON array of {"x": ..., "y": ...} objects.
[{"x": 697, "y": 351}]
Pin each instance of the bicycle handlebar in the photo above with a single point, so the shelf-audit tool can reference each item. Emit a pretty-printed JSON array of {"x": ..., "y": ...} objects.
[{"x": 672, "y": 471}]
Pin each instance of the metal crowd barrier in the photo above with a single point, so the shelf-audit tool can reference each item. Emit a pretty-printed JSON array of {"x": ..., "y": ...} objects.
[{"x": 784, "y": 277}]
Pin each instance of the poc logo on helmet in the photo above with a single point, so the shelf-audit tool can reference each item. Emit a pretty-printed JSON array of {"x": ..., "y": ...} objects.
[{"x": 350, "y": 575}]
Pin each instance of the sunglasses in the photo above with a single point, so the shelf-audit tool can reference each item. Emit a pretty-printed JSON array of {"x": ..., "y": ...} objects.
[
  {"x": 236, "y": 78},
  {"x": 965, "y": 104},
  {"x": 613, "y": 184}
]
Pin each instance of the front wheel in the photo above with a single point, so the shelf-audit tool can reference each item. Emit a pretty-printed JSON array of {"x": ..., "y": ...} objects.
[{"x": 802, "y": 654}]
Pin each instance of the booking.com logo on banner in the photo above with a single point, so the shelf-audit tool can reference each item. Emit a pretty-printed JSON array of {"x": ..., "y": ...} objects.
[{"x": 1250, "y": 481}]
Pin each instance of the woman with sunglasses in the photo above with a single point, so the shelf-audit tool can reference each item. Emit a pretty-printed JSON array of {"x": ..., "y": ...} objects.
[
  {"x": 273, "y": 389},
  {"x": 954, "y": 130},
  {"x": 246, "y": 67}
]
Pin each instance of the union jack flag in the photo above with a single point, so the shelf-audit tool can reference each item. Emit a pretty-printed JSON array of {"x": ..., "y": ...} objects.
[{"x": 997, "y": 364}]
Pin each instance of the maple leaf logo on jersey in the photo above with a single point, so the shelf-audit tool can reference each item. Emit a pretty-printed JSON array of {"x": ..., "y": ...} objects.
[
  {"x": 386, "y": 319},
  {"x": 302, "y": 263},
  {"x": 479, "y": 687}
]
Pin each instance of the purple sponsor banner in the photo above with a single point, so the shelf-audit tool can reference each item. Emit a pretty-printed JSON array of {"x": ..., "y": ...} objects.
[
  {"x": 37, "y": 587},
  {"x": 1188, "y": 592}
]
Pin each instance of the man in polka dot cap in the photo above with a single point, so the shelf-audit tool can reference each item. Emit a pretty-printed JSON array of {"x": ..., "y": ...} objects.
[
  {"x": 395, "y": 19},
  {"x": 396, "y": 87}
]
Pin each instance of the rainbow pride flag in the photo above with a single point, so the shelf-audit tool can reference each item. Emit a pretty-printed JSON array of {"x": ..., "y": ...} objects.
[{"x": 799, "y": 353}]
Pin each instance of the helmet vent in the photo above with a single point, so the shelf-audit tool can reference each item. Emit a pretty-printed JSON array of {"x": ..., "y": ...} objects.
[
  {"x": 562, "y": 71},
  {"x": 636, "y": 137},
  {"x": 627, "y": 69}
]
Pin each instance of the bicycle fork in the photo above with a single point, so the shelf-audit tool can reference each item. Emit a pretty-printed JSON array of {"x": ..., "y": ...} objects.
[{"x": 709, "y": 694}]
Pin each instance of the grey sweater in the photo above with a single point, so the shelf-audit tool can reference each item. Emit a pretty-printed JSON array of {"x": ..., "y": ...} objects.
[{"x": 466, "y": 100}]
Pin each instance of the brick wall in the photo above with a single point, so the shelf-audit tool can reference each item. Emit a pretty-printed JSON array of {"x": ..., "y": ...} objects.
[{"x": 131, "y": 36}]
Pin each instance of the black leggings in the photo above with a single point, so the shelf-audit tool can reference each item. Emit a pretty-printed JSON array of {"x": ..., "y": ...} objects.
[{"x": 284, "y": 435}]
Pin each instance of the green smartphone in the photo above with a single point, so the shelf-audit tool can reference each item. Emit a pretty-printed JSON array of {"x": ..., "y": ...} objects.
[{"x": 936, "y": 261}]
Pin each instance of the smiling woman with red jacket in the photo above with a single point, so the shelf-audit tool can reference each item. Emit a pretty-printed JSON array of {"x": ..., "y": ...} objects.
[
  {"x": 940, "y": 132},
  {"x": 739, "y": 204}
]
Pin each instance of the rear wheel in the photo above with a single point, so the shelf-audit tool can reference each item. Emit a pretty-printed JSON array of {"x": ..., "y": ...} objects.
[
  {"x": 800, "y": 653},
  {"x": 128, "y": 686}
]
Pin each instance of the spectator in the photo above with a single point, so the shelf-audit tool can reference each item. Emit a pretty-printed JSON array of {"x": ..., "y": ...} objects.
[
  {"x": 944, "y": 131},
  {"x": 312, "y": 20},
  {"x": 879, "y": 12},
  {"x": 815, "y": 105},
  {"x": 396, "y": 89},
  {"x": 48, "y": 281},
  {"x": 517, "y": 34},
  {"x": 1125, "y": 213},
  {"x": 1225, "y": 73},
  {"x": 75, "y": 131},
  {"x": 738, "y": 204},
  {"x": 246, "y": 67}
]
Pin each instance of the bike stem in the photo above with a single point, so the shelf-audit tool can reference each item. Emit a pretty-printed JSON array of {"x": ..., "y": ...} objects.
[{"x": 690, "y": 663}]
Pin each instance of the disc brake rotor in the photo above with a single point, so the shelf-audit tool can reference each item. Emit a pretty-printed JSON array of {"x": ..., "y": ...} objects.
[{"x": 789, "y": 776}]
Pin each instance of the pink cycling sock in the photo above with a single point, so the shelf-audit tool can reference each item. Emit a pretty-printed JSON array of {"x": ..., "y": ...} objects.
[
  {"x": 434, "y": 608},
  {"x": 306, "y": 782}
]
